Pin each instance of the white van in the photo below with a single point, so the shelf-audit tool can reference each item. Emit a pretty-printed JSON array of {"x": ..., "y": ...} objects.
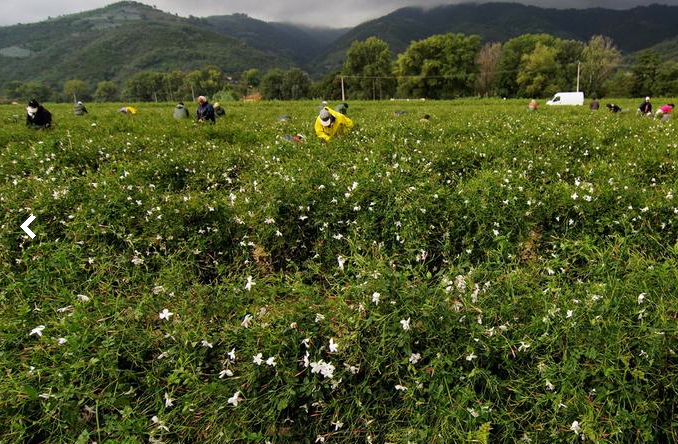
[{"x": 567, "y": 98}]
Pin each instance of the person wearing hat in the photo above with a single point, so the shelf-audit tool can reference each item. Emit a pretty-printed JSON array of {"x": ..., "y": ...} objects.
[
  {"x": 645, "y": 108},
  {"x": 37, "y": 116},
  {"x": 79, "y": 109},
  {"x": 330, "y": 123},
  {"x": 180, "y": 111},
  {"x": 218, "y": 110},
  {"x": 205, "y": 110}
]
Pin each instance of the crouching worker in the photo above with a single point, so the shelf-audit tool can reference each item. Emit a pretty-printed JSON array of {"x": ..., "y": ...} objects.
[
  {"x": 79, "y": 109},
  {"x": 330, "y": 123},
  {"x": 37, "y": 116},
  {"x": 180, "y": 111},
  {"x": 205, "y": 111}
]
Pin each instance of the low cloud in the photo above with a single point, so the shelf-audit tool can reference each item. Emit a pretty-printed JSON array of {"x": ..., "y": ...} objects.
[{"x": 308, "y": 12}]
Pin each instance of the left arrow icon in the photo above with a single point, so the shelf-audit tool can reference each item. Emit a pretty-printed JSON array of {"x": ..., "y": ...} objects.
[{"x": 24, "y": 226}]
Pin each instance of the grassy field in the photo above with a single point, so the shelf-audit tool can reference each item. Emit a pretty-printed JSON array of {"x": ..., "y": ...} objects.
[{"x": 490, "y": 276}]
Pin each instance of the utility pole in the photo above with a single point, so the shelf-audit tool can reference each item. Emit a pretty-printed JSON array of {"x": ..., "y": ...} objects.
[
  {"x": 343, "y": 94},
  {"x": 578, "y": 71}
]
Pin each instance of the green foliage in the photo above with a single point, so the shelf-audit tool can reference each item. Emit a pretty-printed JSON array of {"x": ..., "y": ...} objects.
[
  {"x": 532, "y": 258},
  {"x": 75, "y": 90},
  {"x": 441, "y": 66},
  {"x": 600, "y": 59},
  {"x": 666, "y": 80},
  {"x": 371, "y": 58},
  {"x": 644, "y": 72},
  {"x": 271, "y": 84},
  {"x": 106, "y": 91},
  {"x": 292, "y": 84},
  {"x": 621, "y": 84}
]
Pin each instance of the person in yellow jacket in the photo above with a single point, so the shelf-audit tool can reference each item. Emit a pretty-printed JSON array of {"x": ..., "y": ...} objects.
[{"x": 330, "y": 123}]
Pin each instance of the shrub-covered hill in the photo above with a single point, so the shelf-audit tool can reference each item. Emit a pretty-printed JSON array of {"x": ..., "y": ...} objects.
[
  {"x": 118, "y": 41},
  {"x": 491, "y": 275}
]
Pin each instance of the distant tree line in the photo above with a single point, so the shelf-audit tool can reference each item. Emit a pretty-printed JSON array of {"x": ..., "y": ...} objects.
[{"x": 439, "y": 67}]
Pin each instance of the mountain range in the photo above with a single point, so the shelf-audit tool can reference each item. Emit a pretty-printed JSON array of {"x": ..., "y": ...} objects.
[{"x": 114, "y": 42}]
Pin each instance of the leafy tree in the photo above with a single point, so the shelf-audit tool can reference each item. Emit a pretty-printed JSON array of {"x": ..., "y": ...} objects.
[
  {"x": 488, "y": 63},
  {"x": 252, "y": 77},
  {"x": 600, "y": 59},
  {"x": 26, "y": 91},
  {"x": 644, "y": 71},
  {"x": 512, "y": 59},
  {"x": 272, "y": 85},
  {"x": 106, "y": 91},
  {"x": 439, "y": 67},
  {"x": 370, "y": 58},
  {"x": 538, "y": 74},
  {"x": 328, "y": 88},
  {"x": 146, "y": 86},
  {"x": 76, "y": 90},
  {"x": 205, "y": 81},
  {"x": 296, "y": 84},
  {"x": 620, "y": 84},
  {"x": 666, "y": 79}
]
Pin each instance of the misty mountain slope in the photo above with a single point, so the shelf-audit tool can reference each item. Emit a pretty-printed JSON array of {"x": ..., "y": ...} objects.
[
  {"x": 297, "y": 43},
  {"x": 631, "y": 30}
]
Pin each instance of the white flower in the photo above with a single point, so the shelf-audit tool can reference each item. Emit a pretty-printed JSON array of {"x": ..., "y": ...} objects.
[
  {"x": 246, "y": 321},
  {"x": 341, "y": 260},
  {"x": 473, "y": 412},
  {"x": 575, "y": 427},
  {"x": 337, "y": 425},
  {"x": 574, "y": 196},
  {"x": 225, "y": 373},
  {"x": 234, "y": 399},
  {"x": 324, "y": 368},
  {"x": 549, "y": 385},
  {"x": 319, "y": 317},
  {"x": 523, "y": 346},
  {"x": 333, "y": 346},
  {"x": 257, "y": 359},
  {"x": 415, "y": 357},
  {"x": 319, "y": 439},
  {"x": 37, "y": 330},
  {"x": 271, "y": 361},
  {"x": 206, "y": 344},
  {"x": 496, "y": 232},
  {"x": 471, "y": 357},
  {"x": 569, "y": 314},
  {"x": 375, "y": 298},
  {"x": 62, "y": 341},
  {"x": 249, "y": 284},
  {"x": 641, "y": 298},
  {"x": 352, "y": 368},
  {"x": 405, "y": 323},
  {"x": 137, "y": 260},
  {"x": 158, "y": 289},
  {"x": 83, "y": 298},
  {"x": 161, "y": 424},
  {"x": 401, "y": 388},
  {"x": 231, "y": 355},
  {"x": 169, "y": 402},
  {"x": 165, "y": 314}
]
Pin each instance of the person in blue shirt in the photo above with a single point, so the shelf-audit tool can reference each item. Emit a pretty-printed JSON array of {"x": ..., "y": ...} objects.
[{"x": 205, "y": 112}]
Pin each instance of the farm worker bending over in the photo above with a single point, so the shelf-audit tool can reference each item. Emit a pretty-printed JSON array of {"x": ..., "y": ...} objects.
[
  {"x": 37, "y": 116},
  {"x": 645, "y": 108},
  {"x": 664, "y": 111},
  {"x": 79, "y": 109},
  {"x": 330, "y": 123},
  {"x": 532, "y": 106},
  {"x": 205, "y": 110},
  {"x": 180, "y": 111}
]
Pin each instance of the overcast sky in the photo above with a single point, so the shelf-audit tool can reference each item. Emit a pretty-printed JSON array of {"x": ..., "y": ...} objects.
[{"x": 332, "y": 13}]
